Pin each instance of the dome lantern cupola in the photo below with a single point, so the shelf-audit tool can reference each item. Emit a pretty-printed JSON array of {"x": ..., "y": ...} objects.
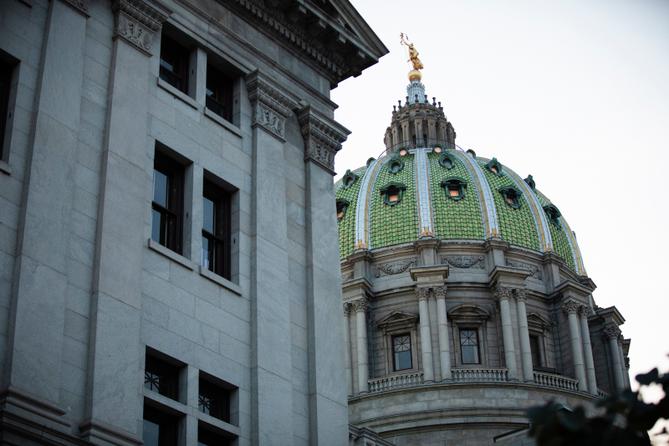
[{"x": 418, "y": 123}]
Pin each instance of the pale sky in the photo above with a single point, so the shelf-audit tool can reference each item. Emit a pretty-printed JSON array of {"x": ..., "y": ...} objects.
[{"x": 575, "y": 93}]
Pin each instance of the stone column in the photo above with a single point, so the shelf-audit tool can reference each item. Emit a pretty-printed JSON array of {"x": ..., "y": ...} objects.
[
  {"x": 584, "y": 312},
  {"x": 114, "y": 399},
  {"x": 425, "y": 334},
  {"x": 571, "y": 308},
  {"x": 612, "y": 332},
  {"x": 360, "y": 308},
  {"x": 525, "y": 351},
  {"x": 270, "y": 297},
  {"x": 347, "y": 347},
  {"x": 503, "y": 294},
  {"x": 327, "y": 384},
  {"x": 444, "y": 342}
]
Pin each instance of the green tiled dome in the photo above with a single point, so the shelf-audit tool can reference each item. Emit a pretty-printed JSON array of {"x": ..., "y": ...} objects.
[{"x": 398, "y": 199}]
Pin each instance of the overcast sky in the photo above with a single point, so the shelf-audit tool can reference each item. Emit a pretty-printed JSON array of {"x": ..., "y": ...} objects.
[{"x": 575, "y": 93}]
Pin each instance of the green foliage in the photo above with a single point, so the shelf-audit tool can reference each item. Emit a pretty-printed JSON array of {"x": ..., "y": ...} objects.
[{"x": 623, "y": 419}]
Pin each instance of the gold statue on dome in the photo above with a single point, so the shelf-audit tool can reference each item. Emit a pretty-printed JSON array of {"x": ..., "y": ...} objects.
[{"x": 413, "y": 52}]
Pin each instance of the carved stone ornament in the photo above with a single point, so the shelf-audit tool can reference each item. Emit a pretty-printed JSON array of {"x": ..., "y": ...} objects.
[
  {"x": 271, "y": 107},
  {"x": 464, "y": 262},
  {"x": 521, "y": 294},
  {"x": 611, "y": 331},
  {"x": 360, "y": 305},
  {"x": 536, "y": 272},
  {"x": 79, "y": 5},
  {"x": 422, "y": 293},
  {"x": 347, "y": 309},
  {"x": 585, "y": 311},
  {"x": 392, "y": 268},
  {"x": 440, "y": 292},
  {"x": 137, "y": 22},
  {"x": 322, "y": 137},
  {"x": 570, "y": 306},
  {"x": 503, "y": 293}
]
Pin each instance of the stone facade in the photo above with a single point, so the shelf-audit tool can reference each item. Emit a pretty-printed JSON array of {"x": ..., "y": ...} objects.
[{"x": 87, "y": 293}]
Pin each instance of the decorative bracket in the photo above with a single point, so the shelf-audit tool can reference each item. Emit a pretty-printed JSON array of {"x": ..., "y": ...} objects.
[
  {"x": 136, "y": 21},
  {"x": 322, "y": 137},
  {"x": 271, "y": 107}
]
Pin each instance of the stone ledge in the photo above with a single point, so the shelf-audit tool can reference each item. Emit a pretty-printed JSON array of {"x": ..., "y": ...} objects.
[
  {"x": 183, "y": 97},
  {"x": 178, "y": 258},
  {"x": 223, "y": 122},
  {"x": 222, "y": 281},
  {"x": 5, "y": 168}
]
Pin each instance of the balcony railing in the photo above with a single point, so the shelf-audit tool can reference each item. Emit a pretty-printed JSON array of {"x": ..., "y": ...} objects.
[
  {"x": 555, "y": 381},
  {"x": 480, "y": 375},
  {"x": 395, "y": 381}
]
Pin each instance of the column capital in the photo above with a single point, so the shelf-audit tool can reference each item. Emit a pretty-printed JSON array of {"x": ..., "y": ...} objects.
[
  {"x": 440, "y": 292},
  {"x": 423, "y": 293},
  {"x": 611, "y": 331},
  {"x": 570, "y": 306},
  {"x": 521, "y": 294},
  {"x": 585, "y": 311},
  {"x": 347, "y": 308},
  {"x": 137, "y": 22},
  {"x": 359, "y": 305},
  {"x": 503, "y": 293},
  {"x": 322, "y": 137},
  {"x": 271, "y": 107}
]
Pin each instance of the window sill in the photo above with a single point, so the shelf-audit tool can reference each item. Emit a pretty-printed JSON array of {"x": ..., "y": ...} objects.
[
  {"x": 178, "y": 258},
  {"x": 169, "y": 403},
  {"x": 225, "y": 283},
  {"x": 4, "y": 168},
  {"x": 178, "y": 94},
  {"x": 222, "y": 121},
  {"x": 219, "y": 424}
]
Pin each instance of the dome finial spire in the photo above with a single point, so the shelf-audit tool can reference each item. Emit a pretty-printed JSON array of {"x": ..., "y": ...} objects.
[{"x": 414, "y": 74}]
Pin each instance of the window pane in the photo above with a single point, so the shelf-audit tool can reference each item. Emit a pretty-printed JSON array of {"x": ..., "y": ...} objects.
[
  {"x": 470, "y": 354},
  {"x": 402, "y": 352},
  {"x": 469, "y": 346},
  {"x": 151, "y": 434},
  {"x": 536, "y": 352},
  {"x": 160, "y": 185},
  {"x": 155, "y": 226},
  {"x": 205, "y": 253},
  {"x": 403, "y": 360},
  {"x": 208, "y": 215}
]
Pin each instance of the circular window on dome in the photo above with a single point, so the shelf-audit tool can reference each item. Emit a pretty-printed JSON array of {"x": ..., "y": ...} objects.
[
  {"x": 342, "y": 206},
  {"x": 454, "y": 188},
  {"x": 437, "y": 150},
  {"x": 349, "y": 179},
  {"x": 404, "y": 152},
  {"x": 395, "y": 165},
  {"x": 511, "y": 196},
  {"x": 446, "y": 161},
  {"x": 392, "y": 193}
]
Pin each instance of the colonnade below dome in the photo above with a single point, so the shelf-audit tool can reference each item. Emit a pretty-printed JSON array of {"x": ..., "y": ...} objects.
[{"x": 441, "y": 321}]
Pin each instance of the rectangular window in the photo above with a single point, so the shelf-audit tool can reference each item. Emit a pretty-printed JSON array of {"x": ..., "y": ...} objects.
[
  {"x": 208, "y": 436},
  {"x": 6, "y": 72},
  {"x": 161, "y": 375},
  {"x": 174, "y": 58},
  {"x": 402, "y": 352},
  {"x": 535, "y": 348},
  {"x": 160, "y": 427},
  {"x": 167, "y": 205},
  {"x": 469, "y": 346},
  {"x": 219, "y": 92},
  {"x": 214, "y": 397},
  {"x": 216, "y": 224}
]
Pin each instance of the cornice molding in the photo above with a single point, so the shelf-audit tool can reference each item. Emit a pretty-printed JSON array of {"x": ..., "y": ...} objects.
[{"x": 79, "y": 5}]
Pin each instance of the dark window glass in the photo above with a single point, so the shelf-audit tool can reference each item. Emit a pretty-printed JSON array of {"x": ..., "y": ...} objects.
[
  {"x": 219, "y": 93},
  {"x": 167, "y": 205},
  {"x": 535, "y": 348},
  {"x": 214, "y": 399},
  {"x": 469, "y": 346},
  {"x": 216, "y": 229},
  {"x": 161, "y": 376},
  {"x": 160, "y": 429},
  {"x": 402, "y": 352},
  {"x": 207, "y": 437},
  {"x": 174, "y": 63},
  {"x": 6, "y": 70}
]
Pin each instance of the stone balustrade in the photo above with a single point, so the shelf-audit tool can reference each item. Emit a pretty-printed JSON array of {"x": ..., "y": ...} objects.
[
  {"x": 480, "y": 375},
  {"x": 555, "y": 381},
  {"x": 395, "y": 381}
]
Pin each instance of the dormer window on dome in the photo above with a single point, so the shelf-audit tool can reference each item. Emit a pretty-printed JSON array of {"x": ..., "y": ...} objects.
[
  {"x": 511, "y": 196},
  {"x": 454, "y": 188},
  {"x": 553, "y": 214},
  {"x": 349, "y": 179},
  {"x": 446, "y": 161},
  {"x": 494, "y": 166},
  {"x": 392, "y": 193},
  {"x": 395, "y": 165},
  {"x": 342, "y": 206},
  {"x": 530, "y": 182}
]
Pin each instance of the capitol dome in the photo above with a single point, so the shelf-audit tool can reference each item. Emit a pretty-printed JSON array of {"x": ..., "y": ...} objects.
[{"x": 464, "y": 294}]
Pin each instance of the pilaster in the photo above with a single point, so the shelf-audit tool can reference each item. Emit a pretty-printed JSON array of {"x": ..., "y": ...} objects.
[
  {"x": 425, "y": 333},
  {"x": 584, "y": 312},
  {"x": 524, "y": 334},
  {"x": 359, "y": 307},
  {"x": 611, "y": 334},
  {"x": 504, "y": 295},
  {"x": 443, "y": 332},
  {"x": 571, "y": 307}
]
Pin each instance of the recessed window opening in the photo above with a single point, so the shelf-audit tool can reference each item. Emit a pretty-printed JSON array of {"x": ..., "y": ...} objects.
[
  {"x": 511, "y": 196},
  {"x": 216, "y": 224},
  {"x": 214, "y": 397},
  {"x": 167, "y": 204},
  {"x": 553, "y": 214},
  {"x": 395, "y": 166},
  {"x": 161, "y": 428},
  {"x": 342, "y": 206},
  {"x": 469, "y": 346},
  {"x": 392, "y": 193},
  {"x": 161, "y": 375},
  {"x": 494, "y": 166},
  {"x": 402, "y": 352},
  {"x": 220, "y": 88},
  {"x": 174, "y": 61},
  {"x": 455, "y": 188},
  {"x": 446, "y": 161},
  {"x": 7, "y": 68},
  {"x": 349, "y": 179},
  {"x": 535, "y": 348}
]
